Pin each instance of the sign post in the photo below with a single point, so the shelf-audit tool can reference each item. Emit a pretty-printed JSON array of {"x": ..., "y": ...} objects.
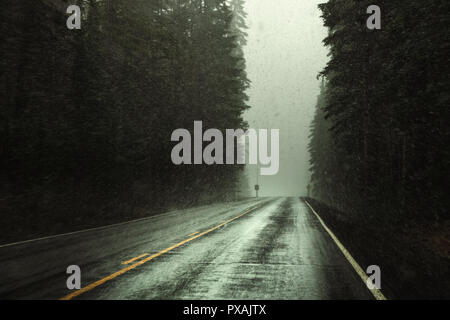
[{"x": 257, "y": 189}]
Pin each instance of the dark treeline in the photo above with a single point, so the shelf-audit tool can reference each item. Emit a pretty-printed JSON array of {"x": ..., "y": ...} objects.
[
  {"x": 87, "y": 115},
  {"x": 379, "y": 141}
]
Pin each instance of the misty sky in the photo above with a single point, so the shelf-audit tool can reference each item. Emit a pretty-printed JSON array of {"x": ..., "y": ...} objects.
[{"x": 284, "y": 55}]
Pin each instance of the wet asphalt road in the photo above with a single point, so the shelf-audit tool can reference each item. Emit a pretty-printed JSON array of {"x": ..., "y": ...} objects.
[{"x": 278, "y": 250}]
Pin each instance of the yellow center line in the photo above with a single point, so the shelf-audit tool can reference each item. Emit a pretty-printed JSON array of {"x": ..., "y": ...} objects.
[
  {"x": 192, "y": 233},
  {"x": 136, "y": 258},
  {"x": 137, "y": 264}
]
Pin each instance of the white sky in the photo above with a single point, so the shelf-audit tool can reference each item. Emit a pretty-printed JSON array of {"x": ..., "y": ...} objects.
[{"x": 284, "y": 55}]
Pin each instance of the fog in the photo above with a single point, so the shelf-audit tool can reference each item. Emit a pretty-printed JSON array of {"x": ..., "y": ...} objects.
[{"x": 284, "y": 54}]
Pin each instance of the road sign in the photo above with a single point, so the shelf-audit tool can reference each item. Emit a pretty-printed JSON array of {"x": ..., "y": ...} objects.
[{"x": 256, "y": 187}]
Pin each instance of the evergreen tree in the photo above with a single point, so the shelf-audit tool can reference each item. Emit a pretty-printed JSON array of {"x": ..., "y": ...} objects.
[
  {"x": 385, "y": 98},
  {"x": 87, "y": 115}
]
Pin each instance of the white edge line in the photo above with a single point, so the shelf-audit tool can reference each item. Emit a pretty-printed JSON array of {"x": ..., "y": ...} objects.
[
  {"x": 375, "y": 292},
  {"x": 99, "y": 228}
]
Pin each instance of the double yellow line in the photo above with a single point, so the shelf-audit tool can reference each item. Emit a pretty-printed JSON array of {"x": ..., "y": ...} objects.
[{"x": 137, "y": 264}]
